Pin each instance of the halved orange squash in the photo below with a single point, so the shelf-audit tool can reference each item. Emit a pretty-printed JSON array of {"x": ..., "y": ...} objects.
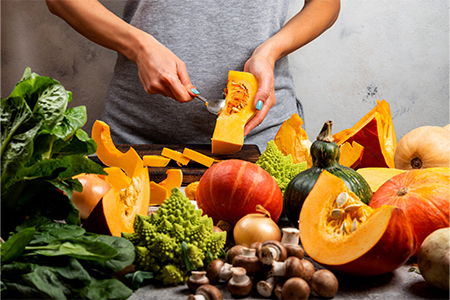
[
  {"x": 345, "y": 235},
  {"x": 116, "y": 211},
  {"x": 228, "y": 136}
]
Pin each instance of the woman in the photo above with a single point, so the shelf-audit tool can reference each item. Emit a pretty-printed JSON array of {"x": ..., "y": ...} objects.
[{"x": 173, "y": 49}]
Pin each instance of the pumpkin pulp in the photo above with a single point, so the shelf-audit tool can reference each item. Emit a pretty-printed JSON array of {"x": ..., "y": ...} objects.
[{"x": 228, "y": 136}]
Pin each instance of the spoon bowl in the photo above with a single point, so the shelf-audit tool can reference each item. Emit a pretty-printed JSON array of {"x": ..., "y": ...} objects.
[{"x": 213, "y": 106}]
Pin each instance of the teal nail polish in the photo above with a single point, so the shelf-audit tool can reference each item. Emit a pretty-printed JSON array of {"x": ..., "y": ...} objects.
[
  {"x": 194, "y": 90},
  {"x": 245, "y": 137},
  {"x": 259, "y": 105}
]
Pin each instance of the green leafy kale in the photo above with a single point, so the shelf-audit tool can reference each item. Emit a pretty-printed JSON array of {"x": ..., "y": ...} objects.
[
  {"x": 42, "y": 148},
  {"x": 279, "y": 166}
]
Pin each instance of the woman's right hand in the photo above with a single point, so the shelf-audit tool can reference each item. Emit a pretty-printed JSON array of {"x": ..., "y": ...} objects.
[{"x": 161, "y": 71}]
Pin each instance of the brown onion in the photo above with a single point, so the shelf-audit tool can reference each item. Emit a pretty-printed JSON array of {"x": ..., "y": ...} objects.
[
  {"x": 258, "y": 227},
  {"x": 94, "y": 188}
]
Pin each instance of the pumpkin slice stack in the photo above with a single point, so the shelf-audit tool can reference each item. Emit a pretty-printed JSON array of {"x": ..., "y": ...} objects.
[{"x": 130, "y": 189}]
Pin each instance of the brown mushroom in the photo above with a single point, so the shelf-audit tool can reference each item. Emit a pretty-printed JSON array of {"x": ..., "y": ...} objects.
[
  {"x": 218, "y": 270},
  {"x": 308, "y": 270},
  {"x": 233, "y": 252},
  {"x": 239, "y": 285},
  {"x": 265, "y": 287},
  {"x": 249, "y": 261},
  {"x": 295, "y": 288},
  {"x": 257, "y": 246},
  {"x": 206, "y": 292},
  {"x": 291, "y": 267},
  {"x": 272, "y": 250},
  {"x": 324, "y": 283},
  {"x": 277, "y": 290},
  {"x": 290, "y": 240},
  {"x": 197, "y": 279}
]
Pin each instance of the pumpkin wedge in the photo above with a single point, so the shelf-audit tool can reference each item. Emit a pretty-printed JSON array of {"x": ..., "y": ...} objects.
[
  {"x": 292, "y": 139},
  {"x": 351, "y": 154},
  {"x": 116, "y": 211},
  {"x": 375, "y": 177},
  {"x": 345, "y": 235},
  {"x": 375, "y": 132},
  {"x": 228, "y": 136}
]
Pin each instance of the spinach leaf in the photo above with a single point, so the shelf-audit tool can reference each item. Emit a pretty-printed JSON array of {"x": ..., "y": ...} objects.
[
  {"x": 15, "y": 245},
  {"x": 48, "y": 233},
  {"x": 102, "y": 289},
  {"x": 137, "y": 278}
]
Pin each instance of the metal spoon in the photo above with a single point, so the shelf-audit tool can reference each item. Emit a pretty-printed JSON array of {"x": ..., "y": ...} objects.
[{"x": 213, "y": 106}]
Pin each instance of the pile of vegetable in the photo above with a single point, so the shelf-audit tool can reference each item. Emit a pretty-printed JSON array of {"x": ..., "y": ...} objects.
[
  {"x": 42, "y": 148},
  {"x": 45, "y": 259},
  {"x": 175, "y": 240}
]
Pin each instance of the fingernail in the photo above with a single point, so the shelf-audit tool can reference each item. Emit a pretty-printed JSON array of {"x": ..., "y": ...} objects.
[
  {"x": 259, "y": 105},
  {"x": 245, "y": 137},
  {"x": 194, "y": 90}
]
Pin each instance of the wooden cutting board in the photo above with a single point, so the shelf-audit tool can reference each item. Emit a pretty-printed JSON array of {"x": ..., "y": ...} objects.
[{"x": 193, "y": 171}]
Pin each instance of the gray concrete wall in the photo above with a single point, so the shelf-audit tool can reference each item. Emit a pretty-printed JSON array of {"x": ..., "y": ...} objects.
[{"x": 392, "y": 50}]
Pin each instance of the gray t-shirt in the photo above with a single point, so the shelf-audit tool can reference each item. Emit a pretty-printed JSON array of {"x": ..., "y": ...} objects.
[{"x": 211, "y": 37}]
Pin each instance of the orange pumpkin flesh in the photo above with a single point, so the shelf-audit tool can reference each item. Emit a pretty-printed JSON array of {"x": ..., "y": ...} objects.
[
  {"x": 231, "y": 189},
  {"x": 116, "y": 211},
  {"x": 228, "y": 136},
  {"x": 375, "y": 132},
  {"x": 351, "y": 154},
  {"x": 292, "y": 139},
  {"x": 381, "y": 241},
  {"x": 94, "y": 188},
  {"x": 424, "y": 197}
]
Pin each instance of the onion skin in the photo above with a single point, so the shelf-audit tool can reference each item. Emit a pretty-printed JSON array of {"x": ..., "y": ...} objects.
[
  {"x": 255, "y": 228},
  {"x": 94, "y": 188}
]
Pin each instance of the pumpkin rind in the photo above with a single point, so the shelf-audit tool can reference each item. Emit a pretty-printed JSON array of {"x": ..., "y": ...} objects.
[
  {"x": 231, "y": 189},
  {"x": 228, "y": 136},
  {"x": 423, "y": 195},
  {"x": 381, "y": 242},
  {"x": 375, "y": 132},
  {"x": 423, "y": 147},
  {"x": 325, "y": 156}
]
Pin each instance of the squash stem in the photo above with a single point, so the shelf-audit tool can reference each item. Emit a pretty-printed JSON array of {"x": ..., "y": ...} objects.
[{"x": 325, "y": 134}]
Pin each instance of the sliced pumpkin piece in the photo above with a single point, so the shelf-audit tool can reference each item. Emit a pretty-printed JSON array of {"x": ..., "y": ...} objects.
[
  {"x": 228, "y": 136},
  {"x": 155, "y": 161},
  {"x": 117, "y": 178},
  {"x": 375, "y": 132},
  {"x": 345, "y": 235},
  {"x": 351, "y": 154},
  {"x": 108, "y": 153},
  {"x": 375, "y": 177},
  {"x": 292, "y": 139},
  {"x": 116, "y": 211},
  {"x": 174, "y": 179},
  {"x": 198, "y": 157},
  {"x": 175, "y": 155},
  {"x": 158, "y": 193}
]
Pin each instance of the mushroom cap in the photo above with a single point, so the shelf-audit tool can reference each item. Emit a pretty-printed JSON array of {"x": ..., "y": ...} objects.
[
  {"x": 324, "y": 283},
  {"x": 294, "y": 250},
  {"x": 240, "y": 284},
  {"x": 250, "y": 263},
  {"x": 293, "y": 267},
  {"x": 210, "y": 292},
  {"x": 272, "y": 250},
  {"x": 295, "y": 288},
  {"x": 213, "y": 270},
  {"x": 308, "y": 270},
  {"x": 233, "y": 252},
  {"x": 197, "y": 279}
]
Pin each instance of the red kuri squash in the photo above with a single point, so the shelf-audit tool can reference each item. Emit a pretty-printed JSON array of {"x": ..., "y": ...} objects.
[
  {"x": 424, "y": 197},
  {"x": 232, "y": 188}
]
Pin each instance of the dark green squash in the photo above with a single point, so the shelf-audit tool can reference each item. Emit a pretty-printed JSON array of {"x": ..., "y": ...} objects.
[{"x": 325, "y": 156}]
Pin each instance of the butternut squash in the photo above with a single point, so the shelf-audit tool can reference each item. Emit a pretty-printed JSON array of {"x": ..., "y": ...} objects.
[
  {"x": 198, "y": 157},
  {"x": 176, "y": 156},
  {"x": 228, "y": 136},
  {"x": 155, "y": 161}
]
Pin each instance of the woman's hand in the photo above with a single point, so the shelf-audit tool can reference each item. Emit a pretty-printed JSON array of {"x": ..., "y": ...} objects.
[
  {"x": 262, "y": 68},
  {"x": 161, "y": 71}
]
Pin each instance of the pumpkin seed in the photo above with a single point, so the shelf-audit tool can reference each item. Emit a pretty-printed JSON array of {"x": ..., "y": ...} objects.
[
  {"x": 352, "y": 208},
  {"x": 336, "y": 213},
  {"x": 342, "y": 199},
  {"x": 343, "y": 229},
  {"x": 354, "y": 225}
]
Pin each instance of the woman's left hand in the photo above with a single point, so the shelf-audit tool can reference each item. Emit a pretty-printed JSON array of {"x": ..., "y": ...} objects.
[{"x": 262, "y": 68}]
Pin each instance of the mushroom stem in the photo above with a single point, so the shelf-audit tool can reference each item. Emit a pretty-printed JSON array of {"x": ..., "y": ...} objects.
[
  {"x": 197, "y": 279},
  {"x": 265, "y": 287},
  {"x": 291, "y": 236},
  {"x": 277, "y": 290},
  {"x": 240, "y": 283},
  {"x": 272, "y": 251},
  {"x": 291, "y": 267},
  {"x": 278, "y": 268}
]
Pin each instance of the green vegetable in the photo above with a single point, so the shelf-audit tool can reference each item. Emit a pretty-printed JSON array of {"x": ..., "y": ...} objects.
[
  {"x": 61, "y": 261},
  {"x": 279, "y": 166},
  {"x": 175, "y": 240},
  {"x": 42, "y": 148}
]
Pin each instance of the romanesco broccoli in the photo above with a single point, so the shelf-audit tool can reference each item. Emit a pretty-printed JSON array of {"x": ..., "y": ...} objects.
[
  {"x": 158, "y": 240},
  {"x": 279, "y": 166}
]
